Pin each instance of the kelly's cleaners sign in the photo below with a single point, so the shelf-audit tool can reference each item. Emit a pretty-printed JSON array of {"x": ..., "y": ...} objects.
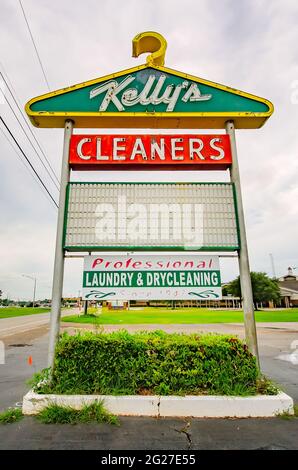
[
  {"x": 142, "y": 277},
  {"x": 202, "y": 152}
]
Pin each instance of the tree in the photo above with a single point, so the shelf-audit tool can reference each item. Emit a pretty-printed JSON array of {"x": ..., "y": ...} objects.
[
  {"x": 225, "y": 290},
  {"x": 264, "y": 289}
]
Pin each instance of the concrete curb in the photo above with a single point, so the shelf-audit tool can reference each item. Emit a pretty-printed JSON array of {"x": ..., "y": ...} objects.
[
  {"x": 130, "y": 405},
  {"x": 193, "y": 406}
]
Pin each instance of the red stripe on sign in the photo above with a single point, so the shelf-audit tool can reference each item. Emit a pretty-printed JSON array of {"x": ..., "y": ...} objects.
[{"x": 192, "y": 152}]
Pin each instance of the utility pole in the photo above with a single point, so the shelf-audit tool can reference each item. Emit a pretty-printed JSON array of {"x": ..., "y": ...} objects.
[
  {"x": 59, "y": 250},
  {"x": 245, "y": 280},
  {"x": 272, "y": 265},
  {"x": 34, "y": 289}
]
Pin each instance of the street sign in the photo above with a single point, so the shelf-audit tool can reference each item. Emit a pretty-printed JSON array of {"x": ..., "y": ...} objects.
[
  {"x": 140, "y": 152},
  {"x": 150, "y": 216},
  {"x": 147, "y": 277},
  {"x": 149, "y": 96}
]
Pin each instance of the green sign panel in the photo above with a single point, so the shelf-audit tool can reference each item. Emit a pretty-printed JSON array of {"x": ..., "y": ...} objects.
[
  {"x": 149, "y": 96},
  {"x": 151, "y": 279},
  {"x": 149, "y": 91},
  {"x": 151, "y": 276}
]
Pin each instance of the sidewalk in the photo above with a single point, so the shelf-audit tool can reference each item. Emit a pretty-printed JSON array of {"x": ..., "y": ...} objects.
[{"x": 13, "y": 325}]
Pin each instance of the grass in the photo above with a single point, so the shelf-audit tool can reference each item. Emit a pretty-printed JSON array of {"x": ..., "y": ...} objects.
[
  {"x": 54, "y": 414},
  {"x": 285, "y": 415},
  {"x": 11, "y": 415},
  {"x": 9, "y": 312},
  {"x": 162, "y": 315}
]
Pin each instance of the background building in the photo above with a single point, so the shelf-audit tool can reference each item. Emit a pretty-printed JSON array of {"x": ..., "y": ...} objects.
[{"x": 289, "y": 289}]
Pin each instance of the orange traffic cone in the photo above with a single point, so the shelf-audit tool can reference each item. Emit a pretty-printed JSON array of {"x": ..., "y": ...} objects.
[{"x": 30, "y": 361}]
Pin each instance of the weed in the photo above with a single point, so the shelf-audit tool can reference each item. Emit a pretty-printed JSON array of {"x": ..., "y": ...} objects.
[
  {"x": 266, "y": 386},
  {"x": 11, "y": 415},
  {"x": 286, "y": 415},
  {"x": 96, "y": 412}
]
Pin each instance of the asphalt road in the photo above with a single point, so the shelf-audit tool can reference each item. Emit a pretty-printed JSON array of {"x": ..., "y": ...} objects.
[
  {"x": 154, "y": 434},
  {"x": 149, "y": 433},
  {"x": 14, "y": 325}
]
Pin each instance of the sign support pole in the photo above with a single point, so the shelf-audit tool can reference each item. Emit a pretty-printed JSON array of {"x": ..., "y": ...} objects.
[
  {"x": 245, "y": 280},
  {"x": 59, "y": 251}
]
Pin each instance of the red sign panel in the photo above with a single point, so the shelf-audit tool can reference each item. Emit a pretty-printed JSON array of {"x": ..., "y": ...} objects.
[{"x": 154, "y": 152}]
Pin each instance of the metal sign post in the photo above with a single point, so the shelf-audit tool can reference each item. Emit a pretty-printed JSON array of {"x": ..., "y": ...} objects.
[
  {"x": 59, "y": 251},
  {"x": 245, "y": 280}
]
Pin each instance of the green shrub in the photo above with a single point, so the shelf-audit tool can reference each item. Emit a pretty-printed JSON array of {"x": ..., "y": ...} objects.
[
  {"x": 11, "y": 415},
  {"x": 55, "y": 414},
  {"x": 151, "y": 363}
]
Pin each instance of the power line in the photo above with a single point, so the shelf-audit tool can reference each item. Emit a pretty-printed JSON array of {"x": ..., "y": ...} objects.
[
  {"x": 35, "y": 175},
  {"x": 40, "y": 159},
  {"x": 15, "y": 99},
  {"x": 38, "y": 56},
  {"x": 28, "y": 160},
  {"x": 8, "y": 79},
  {"x": 21, "y": 159}
]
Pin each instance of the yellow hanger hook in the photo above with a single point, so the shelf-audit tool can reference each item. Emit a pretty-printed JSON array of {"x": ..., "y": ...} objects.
[{"x": 150, "y": 41}]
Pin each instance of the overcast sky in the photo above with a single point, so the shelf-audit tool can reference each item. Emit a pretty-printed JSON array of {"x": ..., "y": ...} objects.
[{"x": 247, "y": 44}]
